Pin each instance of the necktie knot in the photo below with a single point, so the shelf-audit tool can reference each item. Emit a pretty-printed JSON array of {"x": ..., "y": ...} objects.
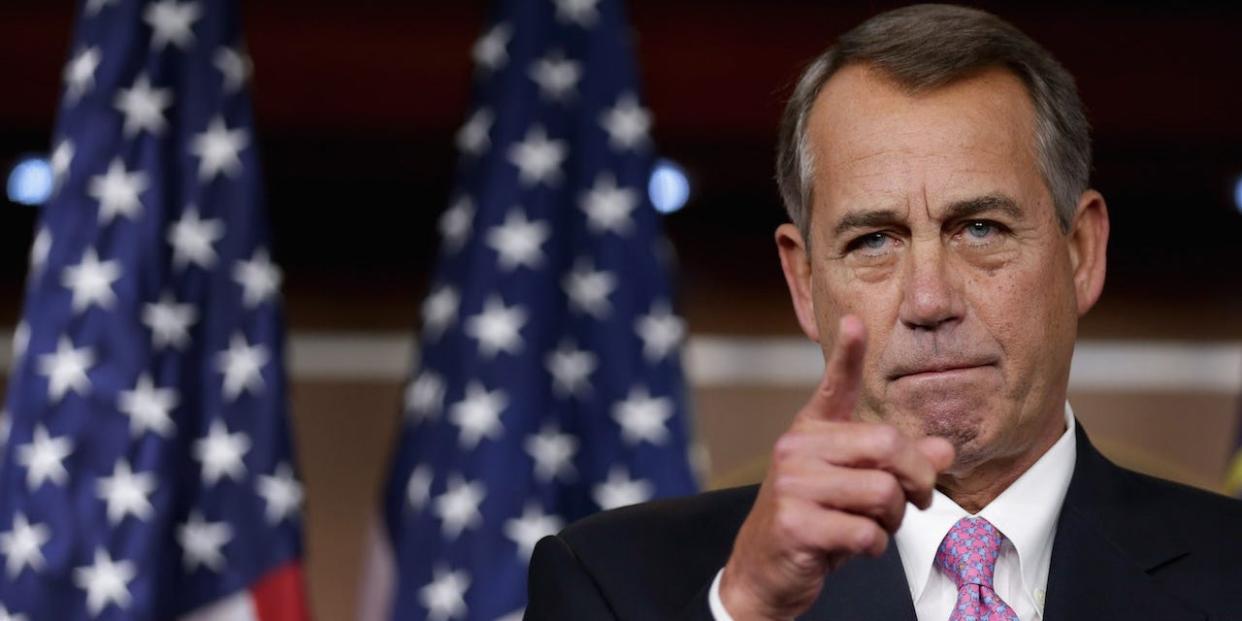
[{"x": 968, "y": 553}]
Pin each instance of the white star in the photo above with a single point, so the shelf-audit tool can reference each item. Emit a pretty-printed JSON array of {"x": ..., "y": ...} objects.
[
  {"x": 581, "y": 12},
  {"x": 455, "y": 224},
  {"x": 91, "y": 281},
  {"x": 79, "y": 73},
  {"x": 149, "y": 407},
  {"x": 489, "y": 51},
  {"x": 571, "y": 369},
  {"x": 661, "y": 332},
  {"x": 282, "y": 492},
  {"x": 93, "y": 7},
  {"x": 201, "y": 541},
  {"x": 65, "y": 369},
  {"x": 620, "y": 491},
  {"x": 39, "y": 249},
  {"x": 126, "y": 493},
  {"x": 234, "y": 65},
  {"x": 444, "y": 596},
  {"x": 105, "y": 582},
  {"x": 418, "y": 487},
  {"x": 242, "y": 365},
  {"x": 439, "y": 311},
  {"x": 608, "y": 207},
  {"x": 218, "y": 149},
  {"x": 556, "y": 76},
  {"x": 61, "y": 160},
  {"x": 497, "y": 328},
  {"x": 553, "y": 453},
  {"x": 643, "y": 417},
  {"x": 221, "y": 453},
  {"x": 259, "y": 278},
  {"x": 588, "y": 289},
  {"x": 22, "y": 545},
  {"x": 473, "y": 138},
  {"x": 171, "y": 22},
  {"x": 478, "y": 414},
  {"x": 627, "y": 123},
  {"x": 21, "y": 340},
  {"x": 537, "y": 158},
  {"x": 534, "y": 525},
  {"x": 458, "y": 506},
  {"x": 517, "y": 240},
  {"x": 44, "y": 458},
  {"x": 424, "y": 396},
  {"x": 143, "y": 107},
  {"x": 117, "y": 191},
  {"x": 169, "y": 322},
  {"x": 192, "y": 239}
]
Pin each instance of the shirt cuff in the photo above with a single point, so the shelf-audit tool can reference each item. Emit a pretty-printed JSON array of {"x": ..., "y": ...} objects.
[{"x": 713, "y": 600}]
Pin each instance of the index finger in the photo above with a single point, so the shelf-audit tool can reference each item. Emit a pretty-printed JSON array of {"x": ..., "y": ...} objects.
[{"x": 837, "y": 393}]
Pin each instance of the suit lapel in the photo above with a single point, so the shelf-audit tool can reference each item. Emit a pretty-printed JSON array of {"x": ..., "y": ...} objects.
[
  {"x": 865, "y": 588},
  {"x": 1104, "y": 550}
]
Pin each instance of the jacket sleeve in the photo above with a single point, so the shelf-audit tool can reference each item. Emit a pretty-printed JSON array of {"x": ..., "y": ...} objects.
[{"x": 560, "y": 588}]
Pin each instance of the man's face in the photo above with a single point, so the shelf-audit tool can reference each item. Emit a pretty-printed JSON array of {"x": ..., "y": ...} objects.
[{"x": 932, "y": 224}]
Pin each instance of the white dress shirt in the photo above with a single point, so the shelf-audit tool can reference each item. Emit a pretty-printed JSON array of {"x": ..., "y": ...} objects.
[{"x": 1026, "y": 513}]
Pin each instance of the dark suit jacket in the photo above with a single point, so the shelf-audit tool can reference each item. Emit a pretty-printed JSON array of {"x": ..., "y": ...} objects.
[{"x": 1127, "y": 546}]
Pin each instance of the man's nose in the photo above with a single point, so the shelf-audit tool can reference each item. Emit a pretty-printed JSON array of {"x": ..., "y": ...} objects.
[{"x": 932, "y": 299}]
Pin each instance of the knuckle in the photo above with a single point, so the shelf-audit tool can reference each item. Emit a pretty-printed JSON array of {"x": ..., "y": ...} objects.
[{"x": 784, "y": 448}]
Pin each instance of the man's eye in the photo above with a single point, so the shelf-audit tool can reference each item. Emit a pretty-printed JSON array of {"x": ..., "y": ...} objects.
[
  {"x": 871, "y": 241},
  {"x": 981, "y": 229}
]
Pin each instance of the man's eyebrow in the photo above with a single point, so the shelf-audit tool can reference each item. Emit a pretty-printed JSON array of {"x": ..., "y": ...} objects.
[
  {"x": 969, "y": 208},
  {"x": 865, "y": 220}
]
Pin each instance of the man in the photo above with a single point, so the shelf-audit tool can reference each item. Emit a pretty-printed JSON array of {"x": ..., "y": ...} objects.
[{"x": 944, "y": 243}]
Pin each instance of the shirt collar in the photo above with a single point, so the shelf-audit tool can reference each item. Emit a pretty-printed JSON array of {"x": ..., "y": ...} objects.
[{"x": 1026, "y": 512}]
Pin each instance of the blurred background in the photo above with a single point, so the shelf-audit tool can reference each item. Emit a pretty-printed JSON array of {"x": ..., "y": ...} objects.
[{"x": 357, "y": 104}]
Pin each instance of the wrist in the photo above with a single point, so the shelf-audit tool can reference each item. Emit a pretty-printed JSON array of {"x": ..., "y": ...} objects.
[{"x": 740, "y": 600}]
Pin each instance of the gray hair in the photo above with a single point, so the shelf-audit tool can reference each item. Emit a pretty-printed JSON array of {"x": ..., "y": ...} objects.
[{"x": 926, "y": 46}]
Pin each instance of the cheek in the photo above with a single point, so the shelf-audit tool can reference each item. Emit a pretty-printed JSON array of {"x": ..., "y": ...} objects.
[{"x": 1026, "y": 311}]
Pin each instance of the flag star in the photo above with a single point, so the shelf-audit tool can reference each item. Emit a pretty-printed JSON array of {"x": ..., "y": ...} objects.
[
  {"x": 127, "y": 493},
  {"x": 424, "y": 396},
  {"x": 517, "y": 241},
  {"x": 93, "y": 7},
  {"x": 643, "y": 417},
  {"x": 444, "y": 596},
  {"x": 117, "y": 191},
  {"x": 478, "y": 414},
  {"x": 497, "y": 328},
  {"x": 458, "y": 506},
  {"x": 439, "y": 311},
  {"x": 6, "y": 429},
  {"x": 455, "y": 224},
  {"x": 553, "y": 453},
  {"x": 44, "y": 458},
  {"x": 474, "y": 136},
  {"x": 489, "y": 51},
  {"x": 172, "y": 22},
  {"x": 418, "y": 487},
  {"x": 620, "y": 490},
  {"x": 105, "y": 582},
  {"x": 235, "y": 66},
  {"x": 39, "y": 249},
  {"x": 149, "y": 408},
  {"x": 221, "y": 453},
  {"x": 143, "y": 107},
  {"x": 581, "y": 12},
  {"x": 556, "y": 76},
  {"x": 65, "y": 369},
  {"x": 608, "y": 207},
  {"x": 22, "y": 545},
  {"x": 61, "y": 160},
  {"x": 193, "y": 238},
  {"x": 259, "y": 278},
  {"x": 201, "y": 542},
  {"x": 571, "y": 369},
  {"x": 5, "y": 615},
  {"x": 661, "y": 332},
  {"x": 242, "y": 365},
  {"x": 538, "y": 159},
  {"x": 588, "y": 289},
  {"x": 169, "y": 322},
  {"x": 627, "y": 123},
  {"x": 282, "y": 493},
  {"x": 79, "y": 74},
  {"x": 218, "y": 149},
  {"x": 532, "y": 526},
  {"x": 21, "y": 340}
]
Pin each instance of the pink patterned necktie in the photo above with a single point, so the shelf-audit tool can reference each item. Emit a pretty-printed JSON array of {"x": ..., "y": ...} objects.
[{"x": 968, "y": 556}]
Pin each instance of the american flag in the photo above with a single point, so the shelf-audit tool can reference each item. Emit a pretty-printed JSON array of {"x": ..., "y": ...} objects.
[
  {"x": 549, "y": 385},
  {"x": 148, "y": 472}
]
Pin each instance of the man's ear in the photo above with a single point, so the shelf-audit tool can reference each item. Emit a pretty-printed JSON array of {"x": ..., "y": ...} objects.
[
  {"x": 796, "y": 263},
  {"x": 1088, "y": 245}
]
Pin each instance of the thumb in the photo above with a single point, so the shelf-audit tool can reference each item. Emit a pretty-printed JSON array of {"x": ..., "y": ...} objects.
[
  {"x": 938, "y": 451},
  {"x": 837, "y": 393}
]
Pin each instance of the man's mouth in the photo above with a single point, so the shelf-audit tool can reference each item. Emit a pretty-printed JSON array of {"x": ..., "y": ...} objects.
[{"x": 945, "y": 369}]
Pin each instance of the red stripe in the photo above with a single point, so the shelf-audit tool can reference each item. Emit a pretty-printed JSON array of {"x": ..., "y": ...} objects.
[{"x": 280, "y": 595}]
